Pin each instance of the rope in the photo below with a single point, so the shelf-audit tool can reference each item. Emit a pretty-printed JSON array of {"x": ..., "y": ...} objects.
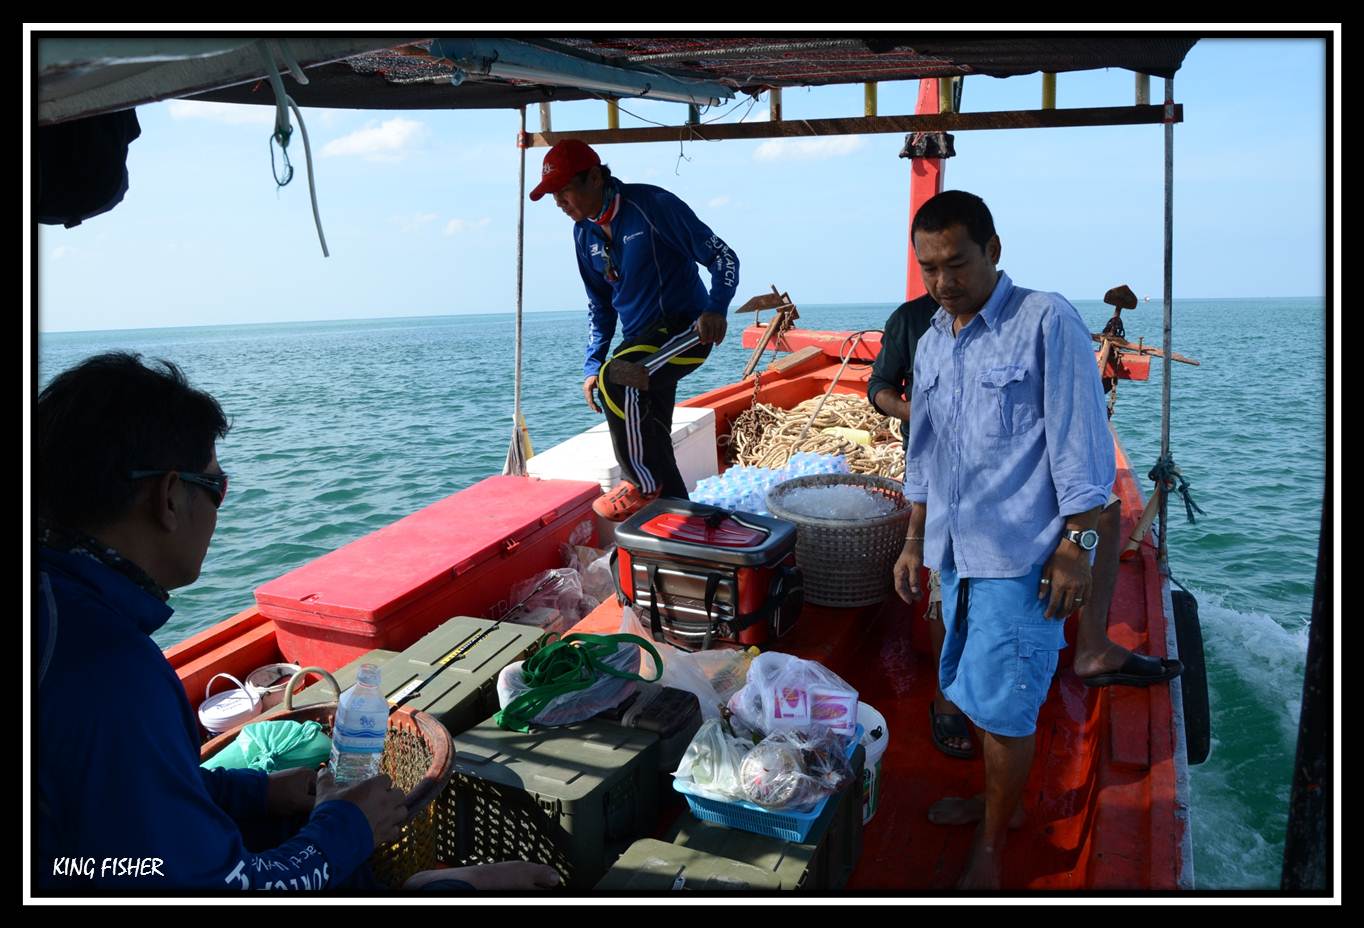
[
  {"x": 283, "y": 131},
  {"x": 767, "y": 436},
  {"x": 1166, "y": 474},
  {"x": 574, "y": 663}
]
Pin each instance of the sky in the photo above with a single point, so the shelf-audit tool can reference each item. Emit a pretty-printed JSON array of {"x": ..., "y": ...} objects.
[{"x": 420, "y": 207}]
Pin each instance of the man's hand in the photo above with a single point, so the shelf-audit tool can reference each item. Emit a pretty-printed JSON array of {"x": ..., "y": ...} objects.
[
  {"x": 711, "y": 327},
  {"x": 291, "y": 792},
  {"x": 1066, "y": 580},
  {"x": 590, "y": 393},
  {"x": 907, "y": 568},
  {"x": 382, "y": 804}
]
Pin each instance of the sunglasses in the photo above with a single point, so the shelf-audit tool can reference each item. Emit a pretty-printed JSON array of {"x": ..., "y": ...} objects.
[{"x": 215, "y": 484}]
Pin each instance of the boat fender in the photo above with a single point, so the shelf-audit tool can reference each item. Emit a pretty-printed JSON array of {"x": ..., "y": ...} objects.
[{"x": 1194, "y": 680}]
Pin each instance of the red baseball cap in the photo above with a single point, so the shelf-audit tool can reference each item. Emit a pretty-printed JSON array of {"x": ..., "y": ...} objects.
[{"x": 564, "y": 161}]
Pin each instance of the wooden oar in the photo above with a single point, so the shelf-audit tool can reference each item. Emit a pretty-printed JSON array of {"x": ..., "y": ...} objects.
[{"x": 1148, "y": 516}]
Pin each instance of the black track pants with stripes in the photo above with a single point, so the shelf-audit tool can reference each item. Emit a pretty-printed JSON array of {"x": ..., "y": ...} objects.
[{"x": 641, "y": 421}]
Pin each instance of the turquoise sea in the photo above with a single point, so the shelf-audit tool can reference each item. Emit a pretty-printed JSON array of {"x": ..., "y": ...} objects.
[{"x": 340, "y": 428}]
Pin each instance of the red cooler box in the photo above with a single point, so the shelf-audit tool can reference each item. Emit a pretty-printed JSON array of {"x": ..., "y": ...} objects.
[
  {"x": 460, "y": 556},
  {"x": 698, "y": 575}
]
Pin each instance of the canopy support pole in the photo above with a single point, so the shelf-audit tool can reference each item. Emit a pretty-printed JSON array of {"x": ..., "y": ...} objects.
[
  {"x": 1164, "y": 552},
  {"x": 516, "y": 456}
]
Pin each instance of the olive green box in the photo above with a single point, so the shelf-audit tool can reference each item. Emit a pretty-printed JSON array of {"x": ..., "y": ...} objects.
[
  {"x": 651, "y": 866},
  {"x": 573, "y": 797},
  {"x": 465, "y": 691}
]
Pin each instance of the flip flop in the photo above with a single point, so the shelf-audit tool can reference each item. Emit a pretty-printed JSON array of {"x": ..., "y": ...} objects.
[
  {"x": 1138, "y": 670},
  {"x": 944, "y": 726}
]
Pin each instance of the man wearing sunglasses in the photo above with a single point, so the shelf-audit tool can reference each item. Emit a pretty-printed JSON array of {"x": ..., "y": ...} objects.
[
  {"x": 127, "y": 493},
  {"x": 638, "y": 249}
]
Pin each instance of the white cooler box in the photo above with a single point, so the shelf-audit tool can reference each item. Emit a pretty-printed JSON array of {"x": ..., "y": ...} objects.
[{"x": 588, "y": 455}]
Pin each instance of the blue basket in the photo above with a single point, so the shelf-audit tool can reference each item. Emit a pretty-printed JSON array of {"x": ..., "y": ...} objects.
[{"x": 747, "y": 816}]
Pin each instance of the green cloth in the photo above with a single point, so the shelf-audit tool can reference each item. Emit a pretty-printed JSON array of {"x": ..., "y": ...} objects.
[
  {"x": 271, "y": 746},
  {"x": 573, "y": 663}
]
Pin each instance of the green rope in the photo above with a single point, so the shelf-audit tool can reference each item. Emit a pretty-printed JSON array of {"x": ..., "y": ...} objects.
[
  {"x": 1165, "y": 474},
  {"x": 573, "y": 663}
]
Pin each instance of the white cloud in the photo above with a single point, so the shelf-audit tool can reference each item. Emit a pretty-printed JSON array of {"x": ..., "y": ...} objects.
[
  {"x": 412, "y": 223},
  {"x": 62, "y": 251},
  {"x": 717, "y": 202},
  {"x": 758, "y": 115},
  {"x": 232, "y": 114},
  {"x": 456, "y": 226},
  {"x": 387, "y": 141},
  {"x": 809, "y": 149}
]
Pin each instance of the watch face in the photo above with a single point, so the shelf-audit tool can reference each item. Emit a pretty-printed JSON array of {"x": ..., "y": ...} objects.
[{"x": 1089, "y": 540}]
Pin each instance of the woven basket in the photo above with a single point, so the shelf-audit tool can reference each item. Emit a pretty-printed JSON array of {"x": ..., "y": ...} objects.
[
  {"x": 846, "y": 562},
  {"x": 417, "y": 757}
]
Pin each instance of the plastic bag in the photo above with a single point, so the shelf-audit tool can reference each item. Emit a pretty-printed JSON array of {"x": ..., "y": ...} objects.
[
  {"x": 680, "y": 668},
  {"x": 792, "y": 770},
  {"x": 785, "y": 692},
  {"x": 606, "y": 693},
  {"x": 712, "y": 762},
  {"x": 560, "y": 589},
  {"x": 726, "y": 669},
  {"x": 276, "y": 745},
  {"x": 598, "y": 582}
]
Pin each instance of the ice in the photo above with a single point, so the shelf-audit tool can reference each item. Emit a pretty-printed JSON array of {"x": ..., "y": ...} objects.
[
  {"x": 843, "y": 503},
  {"x": 744, "y": 488}
]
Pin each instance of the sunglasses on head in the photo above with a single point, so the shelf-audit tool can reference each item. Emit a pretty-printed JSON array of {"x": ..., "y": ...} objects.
[{"x": 215, "y": 484}]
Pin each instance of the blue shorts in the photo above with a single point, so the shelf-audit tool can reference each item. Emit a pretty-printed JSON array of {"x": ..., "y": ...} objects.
[{"x": 999, "y": 658}]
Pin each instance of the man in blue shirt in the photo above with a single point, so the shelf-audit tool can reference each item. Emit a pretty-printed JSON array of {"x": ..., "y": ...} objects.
[
  {"x": 1008, "y": 464},
  {"x": 128, "y": 488},
  {"x": 638, "y": 248}
]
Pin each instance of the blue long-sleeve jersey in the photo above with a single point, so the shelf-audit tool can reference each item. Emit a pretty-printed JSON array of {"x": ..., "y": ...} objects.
[
  {"x": 655, "y": 247},
  {"x": 122, "y": 800}
]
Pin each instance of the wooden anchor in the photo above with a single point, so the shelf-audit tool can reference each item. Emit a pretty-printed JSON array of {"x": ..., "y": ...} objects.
[{"x": 786, "y": 314}]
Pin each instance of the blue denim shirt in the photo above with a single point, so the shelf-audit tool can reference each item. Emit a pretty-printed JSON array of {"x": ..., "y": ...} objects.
[{"x": 1007, "y": 433}]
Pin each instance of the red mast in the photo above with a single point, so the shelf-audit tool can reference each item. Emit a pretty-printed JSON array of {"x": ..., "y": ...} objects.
[{"x": 925, "y": 182}]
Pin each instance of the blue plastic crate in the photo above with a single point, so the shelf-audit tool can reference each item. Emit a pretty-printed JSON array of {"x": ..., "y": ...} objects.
[{"x": 748, "y": 816}]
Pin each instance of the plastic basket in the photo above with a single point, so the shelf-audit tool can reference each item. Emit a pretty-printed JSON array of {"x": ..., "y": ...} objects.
[
  {"x": 747, "y": 816},
  {"x": 846, "y": 562}
]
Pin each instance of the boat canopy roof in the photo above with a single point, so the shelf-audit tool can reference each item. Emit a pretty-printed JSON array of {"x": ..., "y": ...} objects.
[{"x": 83, "y": 77}]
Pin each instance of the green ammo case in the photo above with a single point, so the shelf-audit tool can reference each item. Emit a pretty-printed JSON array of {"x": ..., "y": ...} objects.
[
  {"x": 573, "y": 797},
  {"x": 651, "y": 866}
]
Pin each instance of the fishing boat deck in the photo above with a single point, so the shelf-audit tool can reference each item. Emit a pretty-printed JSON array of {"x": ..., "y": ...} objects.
[{"x": 1095, "y": 792}]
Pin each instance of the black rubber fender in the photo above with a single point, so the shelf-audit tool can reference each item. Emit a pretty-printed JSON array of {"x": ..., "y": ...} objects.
[{"x": 1194, "y": 680}]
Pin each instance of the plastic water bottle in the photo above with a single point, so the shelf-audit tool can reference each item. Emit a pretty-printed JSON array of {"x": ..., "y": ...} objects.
[{"x": 360, "y": 728}]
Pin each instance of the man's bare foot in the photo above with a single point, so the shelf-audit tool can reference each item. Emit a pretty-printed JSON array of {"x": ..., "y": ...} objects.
[
  {"x": 957, "y": 811},
  {"x": 983, "y": 868},
  {"x": 1108, "y": 659},
  {"x": 510, "y": 875}
]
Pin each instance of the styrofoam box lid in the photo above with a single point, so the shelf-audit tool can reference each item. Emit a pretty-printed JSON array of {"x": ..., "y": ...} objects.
[
  {"x": 227, "y": 709},
  {"x": 589, "y": 455}
]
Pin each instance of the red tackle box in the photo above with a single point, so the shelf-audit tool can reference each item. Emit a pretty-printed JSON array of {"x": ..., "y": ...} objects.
[{"x": 699, "y": 575}]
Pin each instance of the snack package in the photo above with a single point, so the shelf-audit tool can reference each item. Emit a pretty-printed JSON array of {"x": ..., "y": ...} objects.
[{"x": 785, "y": 693}]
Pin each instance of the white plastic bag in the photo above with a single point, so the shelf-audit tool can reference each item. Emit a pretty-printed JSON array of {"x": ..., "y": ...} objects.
[
  {"x": 712, "y": 762},
  {"x": 606, "y": 693},
  {"x": 792, "y": 770},
  {"x": 560, "y": 589},
  {"x": 785, "y": 692},
  {"x": 680, "y": 668}
]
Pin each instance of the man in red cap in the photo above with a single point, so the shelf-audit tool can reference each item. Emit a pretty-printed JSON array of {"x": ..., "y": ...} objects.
[{"x": 638, "y": 249}]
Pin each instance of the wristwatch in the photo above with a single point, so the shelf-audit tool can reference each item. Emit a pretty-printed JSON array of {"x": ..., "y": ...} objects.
[{"x": 1088, "y": 539}]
